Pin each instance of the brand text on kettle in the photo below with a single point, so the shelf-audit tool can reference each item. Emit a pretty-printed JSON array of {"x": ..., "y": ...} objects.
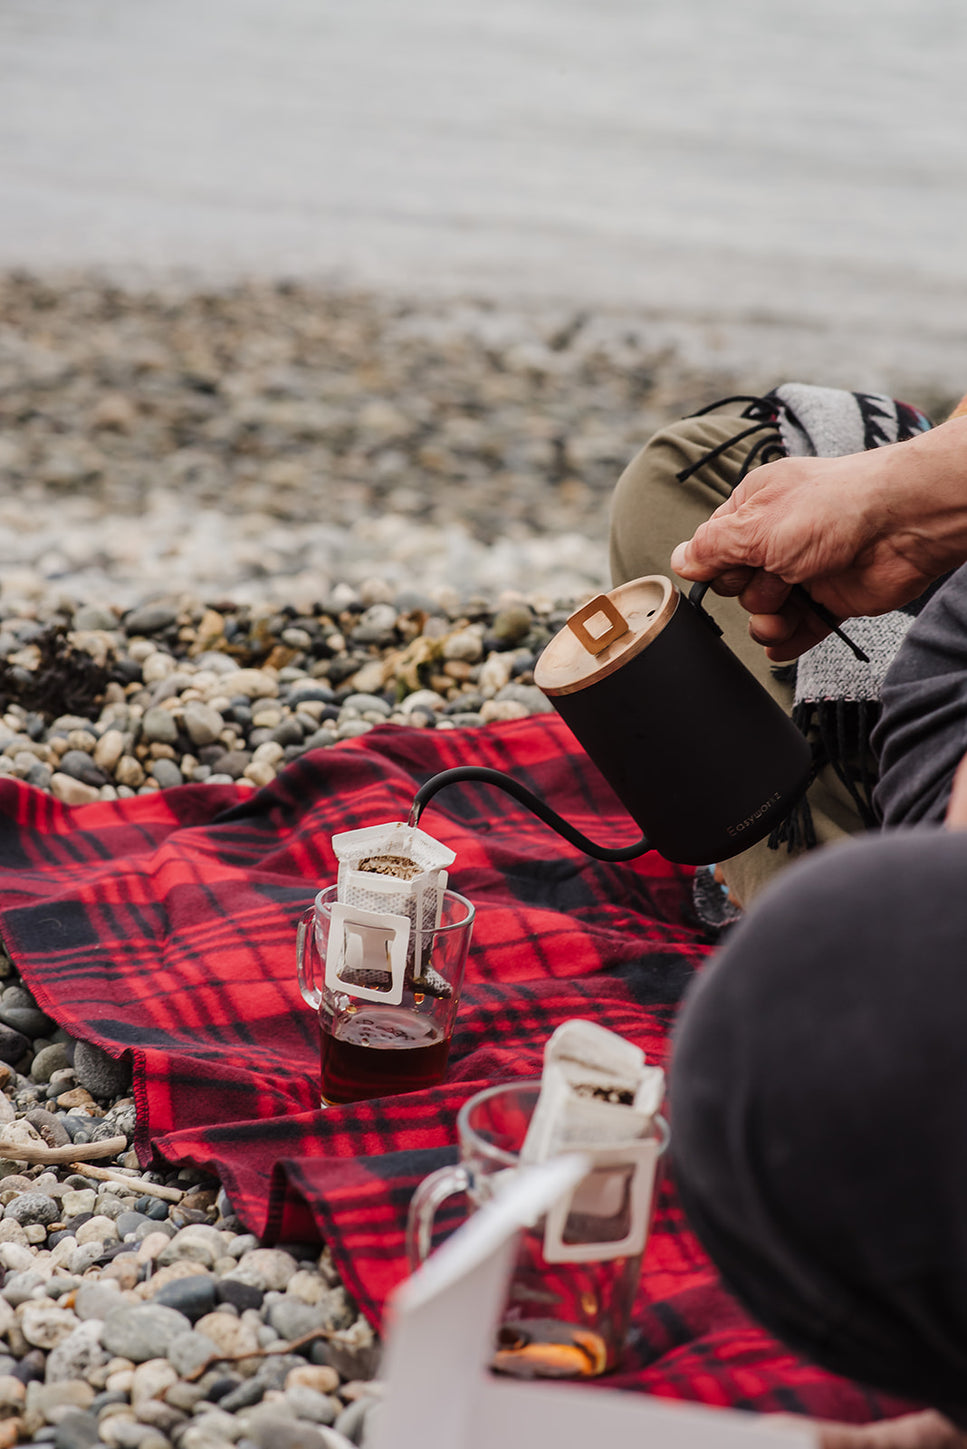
[{"x": 751, "y": 819}]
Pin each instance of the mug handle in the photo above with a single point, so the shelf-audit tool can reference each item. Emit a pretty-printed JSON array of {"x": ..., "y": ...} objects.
[
  {"x": 307, "y": 960},
  {"x": 431, "y": 1194}
]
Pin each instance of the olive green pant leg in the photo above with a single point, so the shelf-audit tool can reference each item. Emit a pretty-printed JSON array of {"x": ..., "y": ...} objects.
[{"x": 651, "y": 513}]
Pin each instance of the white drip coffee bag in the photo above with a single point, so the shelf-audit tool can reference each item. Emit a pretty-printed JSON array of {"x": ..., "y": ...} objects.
[
  {"x": 598, "y": 1097},
  {"x": 391, "y": 871}
]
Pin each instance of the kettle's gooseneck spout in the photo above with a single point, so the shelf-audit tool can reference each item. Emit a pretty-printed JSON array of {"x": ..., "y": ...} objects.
[{"x": 531, "y": 801}]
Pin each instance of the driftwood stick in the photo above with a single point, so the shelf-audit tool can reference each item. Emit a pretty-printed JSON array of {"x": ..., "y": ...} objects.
[
  {"x": 34, "y": 1152},
  {"x": 273, "y": 1350},
  {"x": 113, "y": 1174}
]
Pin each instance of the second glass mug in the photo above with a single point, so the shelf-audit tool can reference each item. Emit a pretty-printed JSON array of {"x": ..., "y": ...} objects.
[
  {"x": 374, "y": 1041},
  {"x": 573, "y": 1285}
]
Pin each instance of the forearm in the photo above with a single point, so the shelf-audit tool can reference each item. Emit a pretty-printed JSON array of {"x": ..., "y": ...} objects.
[{"x": 920, "y": 495}]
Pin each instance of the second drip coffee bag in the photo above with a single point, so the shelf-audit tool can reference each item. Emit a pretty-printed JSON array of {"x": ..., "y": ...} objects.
[{"x": 598, "y": 1097}]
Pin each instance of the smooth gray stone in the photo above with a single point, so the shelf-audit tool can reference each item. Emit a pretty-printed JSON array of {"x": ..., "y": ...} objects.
[
  {"x": 108, "y": 1396},
  {"x": 167, "y": 774},
  {"x": 95, "y": 616},
  {"x": 274, "y": 1432},
  {"x": 217, "y": 662},
  {"x": 532, "y": 698},
  {"x": 188, "y": 1350},
  {"x": 512, "y": 624},
  {"x": 150, "y": 619},
  {"x": 301, "y": 694},
  {"x": 143, "y": 1331},
  {"x": 129, "y": 1222},
  {"x": 18, "y": 1287},
  {"x": 242, "y": 1245},
  {"x": 352, "y": 1420},
  {"x": 39, "y": 775},
  {"x": 27, "y": 1019},
  {"x": 159, "y": 726},
  {"x": 76, "y": 1430},
  {"x": 184, "y": 1396},
  {"x": 321, "y": 739},
  {"x": 307, "y": 1403},
  {"x": 49, "y": 1059},
  {"x": 13, "y": 1045},
  {"x": 102, "y": 1075},
  {"x": 85, "y": 1256},
  {"x": 296, "y": 638},
  {"x": 376, "y": 633},
  {"x": 96, "y": 1300},
  {"x": 291, "y": 1319},
  {"x": 233, "y": 763},
  {"x": 202, "y": 724},
  {"x": 80, "y": 766},
  {"x": 16, "y": 995},
  {"x": 466, "y": 703},
  {"x": 192, "y": 1296},
  {"x": 289, "y": 732},
  {"x": 74, "y": 1125},
  {"x": 464, "y": 720},
  {"x": 239, "y": 1295},
  {"x": 248, "y": 1393},
  {"x": 364, "y": 702},
  {"x": 57, "y": 1287}
]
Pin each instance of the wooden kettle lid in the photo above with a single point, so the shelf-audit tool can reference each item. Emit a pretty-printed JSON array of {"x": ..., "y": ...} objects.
[{"x": 605, "y": 633}]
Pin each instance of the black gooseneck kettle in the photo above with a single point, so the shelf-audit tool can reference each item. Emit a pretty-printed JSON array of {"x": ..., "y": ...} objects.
[{"x": 699, "y": 754}]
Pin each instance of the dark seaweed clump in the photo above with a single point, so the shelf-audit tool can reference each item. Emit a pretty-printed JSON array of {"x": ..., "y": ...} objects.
[{"x": 65, "y": 681}]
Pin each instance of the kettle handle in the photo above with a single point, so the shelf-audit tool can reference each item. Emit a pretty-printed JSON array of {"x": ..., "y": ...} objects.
[
  {"x": 532, "y": 802},
  {"x": 695, "y": 596},
  {"x": 698, "y": 591}
]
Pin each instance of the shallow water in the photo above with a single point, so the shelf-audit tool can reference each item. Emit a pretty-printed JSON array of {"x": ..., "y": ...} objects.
[{"x": 741, "y": 161}]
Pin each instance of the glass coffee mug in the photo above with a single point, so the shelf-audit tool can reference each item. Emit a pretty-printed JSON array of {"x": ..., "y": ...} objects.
[
  {"x": 577, "y": 1271},
  {"x": 386, "y": 994}
]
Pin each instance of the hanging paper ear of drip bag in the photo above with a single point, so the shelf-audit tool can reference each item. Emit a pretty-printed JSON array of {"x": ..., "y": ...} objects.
[
  {"x": 391, "y": 878},
  {"x": 598, "y": 1096}
]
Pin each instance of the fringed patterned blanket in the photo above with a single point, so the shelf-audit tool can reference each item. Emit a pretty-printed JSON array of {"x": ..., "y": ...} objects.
[{"x": 164, "y": 926}]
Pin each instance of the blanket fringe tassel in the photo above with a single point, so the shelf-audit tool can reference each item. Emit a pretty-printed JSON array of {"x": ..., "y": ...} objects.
[{"x": 839, "y": 733}]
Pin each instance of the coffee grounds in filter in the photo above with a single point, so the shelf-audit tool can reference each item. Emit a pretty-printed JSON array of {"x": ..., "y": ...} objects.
[
  {"x": 596, "y": 1091},
  {"x": 398, "y": 866}
]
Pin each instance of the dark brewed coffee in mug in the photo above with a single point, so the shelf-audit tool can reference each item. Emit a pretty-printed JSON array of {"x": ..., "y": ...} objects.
[{"x": 381, "y": 1050}]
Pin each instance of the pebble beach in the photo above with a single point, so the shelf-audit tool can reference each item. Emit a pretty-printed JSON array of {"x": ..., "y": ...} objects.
[
  {"x": 236, "y": 525},
  {"x": 245, "y": 514}
]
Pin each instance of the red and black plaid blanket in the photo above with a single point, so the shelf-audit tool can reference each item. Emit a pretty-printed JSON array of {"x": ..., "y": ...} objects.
[{"x": 164, "y": 926}]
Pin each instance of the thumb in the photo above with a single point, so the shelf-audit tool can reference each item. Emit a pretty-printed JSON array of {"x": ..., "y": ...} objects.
[
  {"x": 686, "y": 565},
  {"x": 719, "y": 544}
]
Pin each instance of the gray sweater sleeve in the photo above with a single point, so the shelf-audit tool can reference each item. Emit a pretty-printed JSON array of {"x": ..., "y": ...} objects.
[{"x": 921, "y": 736}]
